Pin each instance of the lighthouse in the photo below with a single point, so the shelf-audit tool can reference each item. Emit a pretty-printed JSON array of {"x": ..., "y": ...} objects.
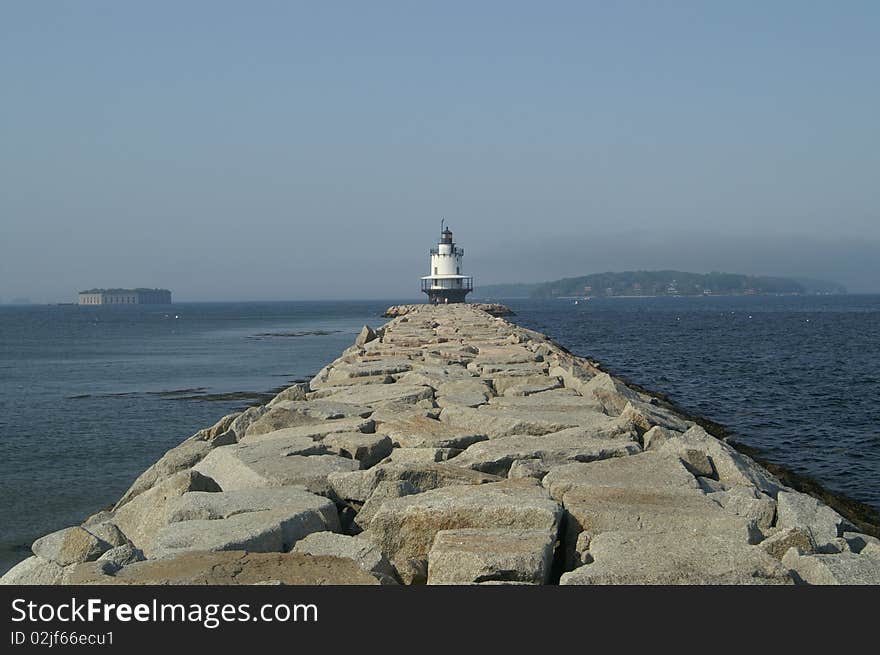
[{"x": 446, "y": 284}]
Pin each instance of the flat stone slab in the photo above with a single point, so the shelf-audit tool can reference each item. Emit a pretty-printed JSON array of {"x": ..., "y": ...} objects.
[
  {"x": 834, "y": 569},
  {"x": 468, "y": 556},
  {"x": 423, "y": 432},
  {"x": 141, "y": 518},
  {"x": 368, "y": 449},
  {"x": 572, "y": 445},
  {"x": 778, "y": 543},
  {"x": 730, "y": 467},
  {"x": 420, "y": 455},
  {"x": 69, "y": 546},
  {"x": 198, "y": 505},
  {"x": 512, "y": 354},
  {"x": 325, "y": 410},
  {"x": 364, "y": 553},
  {"x": 404, "y": 528},
  {"x": 344, "y": 373},
  {"x": 273, "y": 463},
  {"x": 394, "y": 411},
  {"x": 524, "y": 385},
  {"x": 378, "y": 394},
  {"x": 277, "y": 418},
  {"x": 264, "y": 531},
  {"x": 649, "y": 492},
  {"x": 315, "y": 430},
  {"x": 633, "y": 509},
  {"x": 237, "y": 568},
  {"x": 645, "y": 470},
  {"x": 797, "y": 510},
  {"x": 666, "y": 558},
  {"x": 360, "y": 485},
  {"x": 33, "y": 571},
  {"x": 496, "y": 421},
  {"x": 747, "y": 502}
]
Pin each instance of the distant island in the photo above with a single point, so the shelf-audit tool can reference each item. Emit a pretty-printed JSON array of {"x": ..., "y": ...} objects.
[{"x": 662, "y": 283}]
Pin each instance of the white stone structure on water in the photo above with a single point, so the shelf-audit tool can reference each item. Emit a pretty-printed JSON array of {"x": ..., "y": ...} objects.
[
  {"x": 453, "y": 447},
  {"x": 446, "y": 283}
]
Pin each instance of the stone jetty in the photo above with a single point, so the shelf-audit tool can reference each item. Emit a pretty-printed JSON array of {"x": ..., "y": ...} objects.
[{"x": 450, "y": 446}]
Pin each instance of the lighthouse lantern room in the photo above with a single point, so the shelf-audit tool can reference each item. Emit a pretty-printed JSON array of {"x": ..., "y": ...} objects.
[{"x": 446, "y": 284}]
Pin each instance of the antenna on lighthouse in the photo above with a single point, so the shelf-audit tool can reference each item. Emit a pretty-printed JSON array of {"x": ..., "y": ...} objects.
[{"x": 441, "y": 225}]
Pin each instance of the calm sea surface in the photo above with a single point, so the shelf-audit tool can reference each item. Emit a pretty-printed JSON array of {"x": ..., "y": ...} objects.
[{"x": 91, "y": 396}]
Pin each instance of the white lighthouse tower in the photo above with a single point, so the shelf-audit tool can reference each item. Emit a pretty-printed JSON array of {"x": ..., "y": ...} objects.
[{"x": 446, "y": 284}]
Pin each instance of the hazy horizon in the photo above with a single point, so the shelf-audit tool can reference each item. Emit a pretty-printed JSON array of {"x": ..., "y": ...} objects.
[{"x": 279, "y": 150}]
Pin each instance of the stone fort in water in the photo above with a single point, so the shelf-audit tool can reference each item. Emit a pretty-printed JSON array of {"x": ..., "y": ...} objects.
[{"x": 125, "y": 297}]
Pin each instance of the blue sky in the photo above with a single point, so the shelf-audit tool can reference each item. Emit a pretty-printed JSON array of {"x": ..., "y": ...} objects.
[{"x": 281, "y": 150}]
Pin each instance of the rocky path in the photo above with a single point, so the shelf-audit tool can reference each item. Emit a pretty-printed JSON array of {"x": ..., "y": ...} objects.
[{"x": 453, "y": 447}]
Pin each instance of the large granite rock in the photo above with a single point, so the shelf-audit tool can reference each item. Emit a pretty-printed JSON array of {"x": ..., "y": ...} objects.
[
  {"x": 264, "y": 531},
  {"x": 115, "y": 558},
  {"x": 858, "y": 541},
  {"x": 512, "y": 354},
  {"x": 404, "y": 528},
  {"x": 324, "y": 410},
  {"x": 423, "y": 432},
  {"x": 366, "y": 335},
  {"x": 467, "y": 556},
  {"x": 502, "y": 421},
  {"x": 375, "y": 395},
  {"x": 671, "y": 558},
  {"x": 650, "y": 492},
  {"x": 571, "y": 445},
  {"x": 646, "y": 470},
  {"x": 239, "y": 568},
  {"x": 359, "y": 485},
  {"x": 603, "y": 509},
  {"x": 610, "y": 393},
  {"x": 69, "y": 546},
  {"x": 524, "y": 385},
  {"x": 833, "y": 569},
  {"x": 274, "y": 460},
  {"x": 748, "y": 502},
  {"x": 311, "y": 509},
  {"x": 420, "y": 455},
  {"x": 360, "y": 372},
  {"x": 646, "y": 416},
  {"x": 797, "y": 510},
  {"x": 730, "y": 467},
  {"x": 33, "y": 571},
  {"x": 366, "y": 554},
  {"x": 469, "y": 392},
  {"x": 778, "y": 543},
  {"x": 312, "y": 421},
  {"x": 143, "y": 516},
  {"x": 177, "y": 459},
  {"x": 368, "y": 449},
  {"x": 296, "y": 391}
]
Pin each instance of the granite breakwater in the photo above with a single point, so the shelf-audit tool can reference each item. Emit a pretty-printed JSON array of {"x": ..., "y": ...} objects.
[{"x": 450, "y": 446}]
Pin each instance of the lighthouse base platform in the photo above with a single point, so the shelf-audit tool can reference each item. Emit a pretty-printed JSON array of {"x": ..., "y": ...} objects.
[{"x": 446, "y": 296}]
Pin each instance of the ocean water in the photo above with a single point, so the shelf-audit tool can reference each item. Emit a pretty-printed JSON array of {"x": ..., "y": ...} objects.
[{"x": 91, "y": 396}]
